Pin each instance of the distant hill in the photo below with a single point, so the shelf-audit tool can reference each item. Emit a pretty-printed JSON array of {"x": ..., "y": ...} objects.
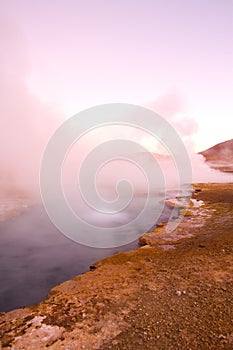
[{"x": 220, "y": 156}]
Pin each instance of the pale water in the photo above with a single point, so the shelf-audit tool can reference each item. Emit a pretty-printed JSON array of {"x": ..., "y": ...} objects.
[{"x": 35, "y": 256}]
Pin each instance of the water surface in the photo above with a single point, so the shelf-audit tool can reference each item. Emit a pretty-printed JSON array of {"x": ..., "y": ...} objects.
[{"x": 35, "y": 256}]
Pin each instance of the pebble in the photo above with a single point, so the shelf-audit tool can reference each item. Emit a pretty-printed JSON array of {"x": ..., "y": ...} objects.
[{"x": 178, "y": 293}]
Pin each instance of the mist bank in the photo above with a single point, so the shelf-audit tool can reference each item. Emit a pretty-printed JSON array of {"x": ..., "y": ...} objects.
[{"x": 20, "y": 167}]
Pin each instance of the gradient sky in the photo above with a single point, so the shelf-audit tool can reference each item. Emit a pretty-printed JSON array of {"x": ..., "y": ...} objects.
[{"x": 76, "y": 54}]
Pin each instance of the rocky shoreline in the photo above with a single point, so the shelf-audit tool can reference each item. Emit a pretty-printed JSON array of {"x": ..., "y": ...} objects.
[{"x": 173, "y": 293}]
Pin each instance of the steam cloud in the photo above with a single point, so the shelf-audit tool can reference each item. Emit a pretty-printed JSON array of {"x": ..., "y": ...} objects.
[{"x": 27, "y": 123}]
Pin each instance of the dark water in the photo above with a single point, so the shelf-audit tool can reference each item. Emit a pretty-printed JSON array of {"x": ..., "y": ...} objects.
[{"x": 35, "y": 256}]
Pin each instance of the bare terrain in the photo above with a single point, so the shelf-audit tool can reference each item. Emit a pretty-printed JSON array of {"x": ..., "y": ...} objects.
[{"x": 220, "y": 156}]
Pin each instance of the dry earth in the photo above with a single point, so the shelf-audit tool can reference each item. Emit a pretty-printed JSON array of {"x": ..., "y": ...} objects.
[
  {"x": 220, "y": 156},
  {"x": 175, "y": 294}
]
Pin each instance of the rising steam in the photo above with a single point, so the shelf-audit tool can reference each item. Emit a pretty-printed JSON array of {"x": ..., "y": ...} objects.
[{"x": 27, "y": 124}]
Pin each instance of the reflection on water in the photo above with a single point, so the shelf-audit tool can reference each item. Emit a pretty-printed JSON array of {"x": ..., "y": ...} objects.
[{"x": 35, "y": 256}]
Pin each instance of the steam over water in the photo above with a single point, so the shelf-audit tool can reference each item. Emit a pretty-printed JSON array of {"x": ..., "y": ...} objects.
[{"x": 35, "y": 256}]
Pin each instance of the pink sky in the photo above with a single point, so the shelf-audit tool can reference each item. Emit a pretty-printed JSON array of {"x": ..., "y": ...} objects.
[{"x": 75, "y": 54}]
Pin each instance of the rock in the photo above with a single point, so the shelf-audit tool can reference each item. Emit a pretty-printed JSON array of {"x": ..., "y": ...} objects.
[
  {"x": 186, "y": 212},
  {"x": 198, "y": 190},
  {"x": 175, "y": 203},
  {"x": 161, "y": 224}
]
